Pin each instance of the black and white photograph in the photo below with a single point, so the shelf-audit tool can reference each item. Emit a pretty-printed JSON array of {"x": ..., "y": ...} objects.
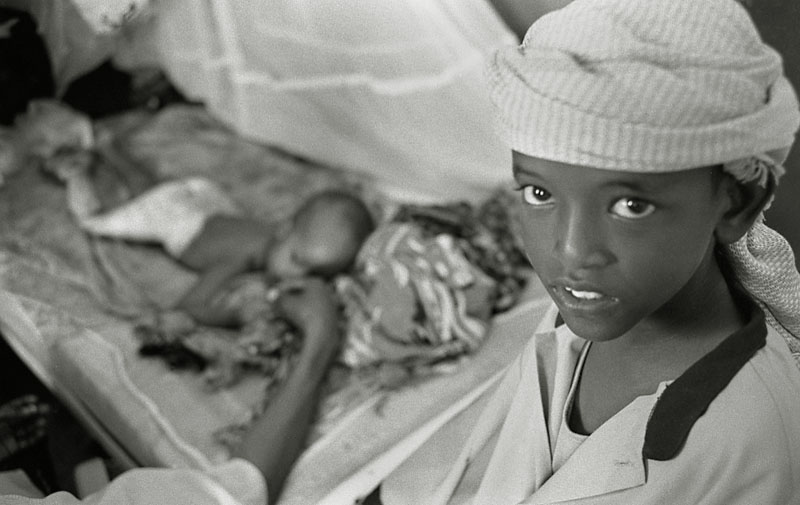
[{"x": 399, "y": 252}]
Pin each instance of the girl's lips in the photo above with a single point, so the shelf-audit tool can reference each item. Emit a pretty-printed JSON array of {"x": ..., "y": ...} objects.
[
  {"x": 583, "y": 299},
  {"x": 584, "y": 294}
]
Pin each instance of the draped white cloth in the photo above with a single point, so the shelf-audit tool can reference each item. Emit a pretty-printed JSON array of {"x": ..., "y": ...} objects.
[{"x": 391, "y": 88}]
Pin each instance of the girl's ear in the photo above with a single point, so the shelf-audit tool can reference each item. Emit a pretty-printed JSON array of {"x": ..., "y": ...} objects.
[{"x": 747, "y": 200}]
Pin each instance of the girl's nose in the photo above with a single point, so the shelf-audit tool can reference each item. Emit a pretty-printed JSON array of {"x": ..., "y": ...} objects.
[{"x": 581, "y": 240}]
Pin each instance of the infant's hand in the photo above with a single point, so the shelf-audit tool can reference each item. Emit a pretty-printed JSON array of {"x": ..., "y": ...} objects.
[
  {"x": 306, "y": 302},
  {"x": 310, "y": 305}
]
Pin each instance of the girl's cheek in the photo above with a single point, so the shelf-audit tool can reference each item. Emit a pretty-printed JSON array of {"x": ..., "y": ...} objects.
[{"x": 537, "y": 233}]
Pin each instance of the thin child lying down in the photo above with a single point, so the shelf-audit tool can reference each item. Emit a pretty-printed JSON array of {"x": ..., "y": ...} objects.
[
  {"x": 201, "y": 227},
  {"x": 193, "y": 218}
]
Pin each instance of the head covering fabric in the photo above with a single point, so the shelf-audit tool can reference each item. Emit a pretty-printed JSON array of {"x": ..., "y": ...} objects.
[
  {"x": 650, "y": 86},
  {"x": 659, "y": 86}
]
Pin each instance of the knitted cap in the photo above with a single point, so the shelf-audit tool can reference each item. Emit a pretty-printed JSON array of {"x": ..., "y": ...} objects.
[{"x": 659, "y": 86}]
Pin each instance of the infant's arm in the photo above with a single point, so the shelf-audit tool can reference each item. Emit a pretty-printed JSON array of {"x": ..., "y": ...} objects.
[
  {"x": 200, "y": 300},
  {"x": 277, "y": 438},
  {"x": 228, "y": 239}
]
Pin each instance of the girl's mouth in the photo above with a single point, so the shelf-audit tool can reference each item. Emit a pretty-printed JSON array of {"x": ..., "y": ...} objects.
[
  {"x": 584, "y": 295},
  {"x": 582, "y": 300}
]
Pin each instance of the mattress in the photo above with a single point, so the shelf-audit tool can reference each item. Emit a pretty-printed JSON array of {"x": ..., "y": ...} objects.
[{"x": 68, "y": 304}]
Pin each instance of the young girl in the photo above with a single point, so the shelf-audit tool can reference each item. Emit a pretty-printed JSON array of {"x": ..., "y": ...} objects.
[{"x": 647, "y": 140}]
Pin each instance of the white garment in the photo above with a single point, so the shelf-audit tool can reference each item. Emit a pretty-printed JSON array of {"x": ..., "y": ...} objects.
[
  {"x": 390, "y": 88},
  {"x": 744, "y": 449},
  {"x": 171, "y": 214},
  {"x": 236, "y": 482}
]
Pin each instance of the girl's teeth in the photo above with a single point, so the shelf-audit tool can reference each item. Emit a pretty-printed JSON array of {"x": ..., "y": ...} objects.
[{"x": 585, "y": 295}]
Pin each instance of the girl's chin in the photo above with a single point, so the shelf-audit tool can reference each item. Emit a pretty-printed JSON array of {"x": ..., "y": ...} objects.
[{"x": 592, "y": 329}]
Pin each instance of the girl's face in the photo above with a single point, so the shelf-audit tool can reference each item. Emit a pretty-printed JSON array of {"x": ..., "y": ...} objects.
[{"x": 619, "y": 250}]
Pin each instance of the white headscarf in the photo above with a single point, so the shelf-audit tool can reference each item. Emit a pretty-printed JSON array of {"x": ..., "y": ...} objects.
[{"x": 660, "y": 86}]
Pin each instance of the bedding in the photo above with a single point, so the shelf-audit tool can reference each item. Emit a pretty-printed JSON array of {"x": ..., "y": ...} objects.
[{"x": 72, "y": 306}]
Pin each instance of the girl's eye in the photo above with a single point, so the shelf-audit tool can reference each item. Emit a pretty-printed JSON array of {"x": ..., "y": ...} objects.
[
  {"x": 632, "y": 208},
  {"x": 535, "y": 195}
]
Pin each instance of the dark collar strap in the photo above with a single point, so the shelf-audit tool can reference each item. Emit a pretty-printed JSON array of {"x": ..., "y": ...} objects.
[{"x": 683, "y": 402}]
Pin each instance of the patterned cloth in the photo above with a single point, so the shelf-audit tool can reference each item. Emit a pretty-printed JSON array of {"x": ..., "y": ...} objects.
[
  {"x": 594, "y": 84},
  {"x": 427, "y": 283},
  {"x": 419, "y": 302}
]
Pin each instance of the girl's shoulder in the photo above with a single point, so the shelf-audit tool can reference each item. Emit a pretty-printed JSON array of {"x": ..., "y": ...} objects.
[{"x": 758, "y": 412}]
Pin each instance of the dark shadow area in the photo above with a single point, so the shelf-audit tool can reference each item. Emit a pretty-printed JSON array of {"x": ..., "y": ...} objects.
[{"x": 50, "y": 461}]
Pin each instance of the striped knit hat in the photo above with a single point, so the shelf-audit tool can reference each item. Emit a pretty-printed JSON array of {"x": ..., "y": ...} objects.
[{"x": 660, "y": 86}]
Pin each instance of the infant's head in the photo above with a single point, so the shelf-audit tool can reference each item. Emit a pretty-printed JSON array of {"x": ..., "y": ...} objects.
[{"x": 326, "y": 235}]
